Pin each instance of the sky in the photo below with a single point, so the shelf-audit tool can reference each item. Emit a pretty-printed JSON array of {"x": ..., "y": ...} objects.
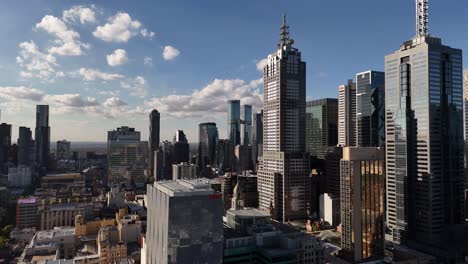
[{"x": 105, "y": 64}]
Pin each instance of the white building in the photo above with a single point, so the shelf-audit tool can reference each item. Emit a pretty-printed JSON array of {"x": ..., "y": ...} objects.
[
  {"x": 184, "y": 171},
  {"x": 19, "y": 176},
  {"x": 330, "y": 209}
]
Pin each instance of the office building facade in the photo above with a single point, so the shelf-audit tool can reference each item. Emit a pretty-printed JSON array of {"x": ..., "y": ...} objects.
[
  {"x": 184, "y": 222},
  {"x": 154, "y": 136},
  {"x": 370, "y": 109},
  {"x": 321, "y": 126},
  {"x": 42, "y": 136},
  {"x": 424, "y": 141},
  {"x": 282, "y": 174},
  {"x": 246, "y": 125},
  {"x": 181, "y": 148},
  {"x": 347, "y": 114},
  {"x": 234, "y": 122},
  {"x": 5, "y": 145},
  {"x": 25, "y": 144},
  {"x": 362, "y": 202},
  {"x": 127, "y": 156},
  {"x": 207, "y": 141},
  {"x": 63, "y": 150},
  {"x": 257, "y": 137}
]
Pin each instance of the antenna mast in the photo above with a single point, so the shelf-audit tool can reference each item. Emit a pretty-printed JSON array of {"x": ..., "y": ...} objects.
[{"x": 422, "y": 17}]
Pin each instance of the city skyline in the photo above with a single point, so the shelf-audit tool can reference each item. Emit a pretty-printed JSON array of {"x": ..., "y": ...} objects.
[{"x": 80, "y": 101}]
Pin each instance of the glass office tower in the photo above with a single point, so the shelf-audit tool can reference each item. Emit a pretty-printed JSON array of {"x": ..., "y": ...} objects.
[
  {"x": 234, "y": 122},
  {"x": 247, "y": 125},
  {"x": 424, "y": 141}
]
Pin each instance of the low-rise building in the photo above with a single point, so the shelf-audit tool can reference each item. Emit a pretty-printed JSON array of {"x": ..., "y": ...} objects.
[
  {"x": 110, "y": 248},
  {"x": 85, "y": 228},
  {"x": 61, "y": 214}
]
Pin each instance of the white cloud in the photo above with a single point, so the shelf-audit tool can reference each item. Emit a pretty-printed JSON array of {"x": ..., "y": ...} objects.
[
  {"x": 146, "y": 33},
  {"x": 93, "y": 74},
  {"x": 34, "y": 63},
  {"x": 212, "y": 99},
  {"x": 70, "y": 100},
  {"x": 81, "y": 13},
  {"x": 261, "y": 64},
  {"x": 148, "y": 61},
  {"x": 120, "y": 28},
  {"x": 11, "y": 93},
  {"x": 114, "y": 102},
  {"x": 118, "y": 57},
  {"x": 67, "y": 40},
  {"x": 137, "y": 87},
  {"x": 170, "y": 53}
]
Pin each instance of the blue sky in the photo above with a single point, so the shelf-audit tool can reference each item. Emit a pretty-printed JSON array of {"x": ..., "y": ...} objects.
[{"x": 104, "y": 64}]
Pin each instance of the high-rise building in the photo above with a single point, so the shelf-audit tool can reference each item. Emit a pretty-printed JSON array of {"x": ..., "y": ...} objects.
[
  {"x": 283, "y": 172},
  {"x": 243, "y": 155},
  {"x": 207, "y": 138},
  {"x": 154, "y": 138},
  {"x": 42, "y": 136},
  {"x": 63, "y": 150},
  {"x": 321, "y": 126},
  {"x": 465, "y": 86},
  {"x": 127, "y": 156},
  {"x": 181, "y": 148},
  {"x": 5, "y": 144},
  {"x": 370, "y": 108},
  {"x": 347, "y": 114},
  {"x": 362, "y": 202},
  {"x": 185, "y": 221},
  {"x": 184, "y": 171},
  {"x": 257, "y": 138},
  {"x": 225, "y": 159},
  {"x": 424, "y": 141},
  {"x": 234, "y": 122},
  {"x": 246, "y": 135},
  {"x": 24, "y": 146}
]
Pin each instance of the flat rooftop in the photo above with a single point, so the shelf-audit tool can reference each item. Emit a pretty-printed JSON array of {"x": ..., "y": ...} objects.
[
  {"x": 185, "y": 187},
  {"x": 53, "y": 233},
  {"x": 248, "y": 212},
  {"x": 30, "y": 200}
]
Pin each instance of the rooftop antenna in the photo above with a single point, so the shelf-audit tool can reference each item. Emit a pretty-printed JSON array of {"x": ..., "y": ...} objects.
[
  {"x": 284, "y": 35},
  {"x": 422, "y": 17}
]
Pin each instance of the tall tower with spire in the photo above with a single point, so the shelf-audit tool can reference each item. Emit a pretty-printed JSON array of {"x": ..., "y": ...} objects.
[
  {"x": 282, "y": 174},
  {"x": 424, "y": 142}
]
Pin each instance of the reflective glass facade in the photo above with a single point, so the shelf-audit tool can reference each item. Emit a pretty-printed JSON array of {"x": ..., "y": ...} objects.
[
  {"x": 321, "y": 125},
  {"x": 234, "y": 122},
  {"x": 424, "y": 141}
]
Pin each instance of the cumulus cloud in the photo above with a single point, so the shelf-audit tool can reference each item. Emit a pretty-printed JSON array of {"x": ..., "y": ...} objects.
[
  {"x": 146, "y": 33},
  {"x": 211, "y": 99},
  {"x": 70, "y": 100},
  {"x": 35, "y": 63},
  {"x": 261, "y": 64},
  {"x": 79, "y": 13},
  {"x": 170, "y": 53},
  {"x": 118, "y": 57},
  {"x": 93, "y": 74},
  {"x": 114, "y": 102},
  {"x": 137, "y": 86},
  {"x": 19, "y": 93},
  {"x": 120, "y": 28},
  {"x": 148, "y": 61},
  {"x": 67, "y": 40}
]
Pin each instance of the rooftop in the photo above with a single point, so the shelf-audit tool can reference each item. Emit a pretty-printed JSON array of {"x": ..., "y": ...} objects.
[
  {"x": 248, "y": 212},
  {"x": 30, "y": 200},
  {"x": 185, "y": 187},
  {"x": 53, "y": 233}
]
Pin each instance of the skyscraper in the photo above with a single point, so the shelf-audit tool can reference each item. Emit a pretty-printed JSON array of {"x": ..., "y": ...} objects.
[
  {"x": 24, "y": 146},
  {"x": 207, "y": 140},
  {"x": 63, "y": 150},
  {"x": 127, "y": 156},
  {"x": 370, "y": 108},
  {"x": 154, "y": 139},
  {"x": 424, "y": 141},
  {"x": 181, "y": 148},
  {"x": 362, "y": 202},
  {"x": 347, "y": 114},
  {"x": 321, "y": 126},
  {"x": 257, "y": 137},
  {"x": 246, "y": 135},
  {"x": 42, "y": 136},
  {"x": 465, "y": 86},
  {"x": 234, "y": 122},
  {"x": 282, "y": 174},
  {"x": 5, "y": 144},
  {"x": 185, "y": 223},
  {"x": 225, "y": 158}
]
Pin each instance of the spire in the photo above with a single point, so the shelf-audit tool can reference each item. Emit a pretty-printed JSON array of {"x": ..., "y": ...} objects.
[
  {"x": 284, "y": 35},
  {"x": 422, "y": 17}
]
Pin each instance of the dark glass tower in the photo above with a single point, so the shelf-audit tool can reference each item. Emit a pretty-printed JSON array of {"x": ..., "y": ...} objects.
[
  {"x": 42, "y": 136},
  {"x": 5, "y": 144},
  {"x": 154, "y": 138},
  {"x": 370, "y": 109},
  {"x": 181, "y": 148},
  {"x": 424, "y": 142},
  {"x": 234, "y": 122},
  {"x": 208, "y": 139},
  {"x": 257, "y": 137},
  {"x": 246, "y": 137},
  {"x": 321, "y": 126},
  {"x": 283, "y": 172},
  {"x": 24, "y": 146}
]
